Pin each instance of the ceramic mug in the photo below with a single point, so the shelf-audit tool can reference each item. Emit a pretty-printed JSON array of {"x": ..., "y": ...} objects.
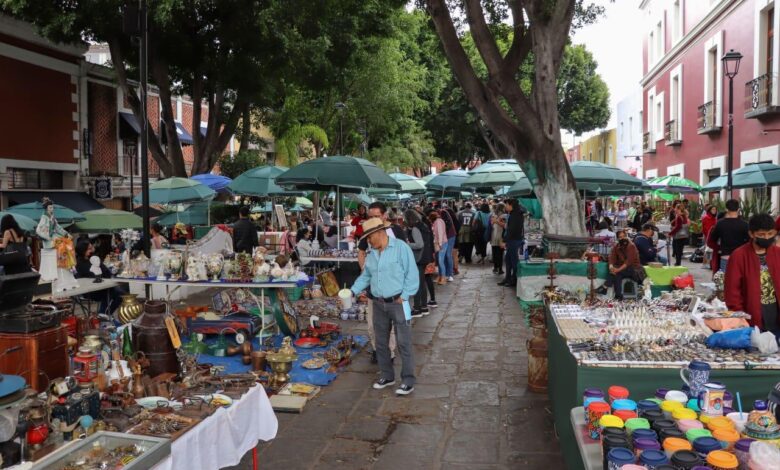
[
  {"x": 711, "y": 399},
  {"x": 695, "y": 375}
]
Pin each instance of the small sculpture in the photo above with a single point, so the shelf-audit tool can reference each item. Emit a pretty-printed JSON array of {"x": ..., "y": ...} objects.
[{"x": 94, "y": 261}]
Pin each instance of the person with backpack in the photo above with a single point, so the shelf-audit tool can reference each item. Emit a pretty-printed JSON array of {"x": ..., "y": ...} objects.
[
  {"x": 420, "y": 239},
  {"x": 481, "y": 229},
  {"x": 466, "y": 233}
]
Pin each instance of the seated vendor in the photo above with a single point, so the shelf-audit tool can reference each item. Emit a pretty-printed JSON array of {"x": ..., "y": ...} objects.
[
  {"x": 623, "y": 264},
  {"x": 109, "y": 298},
  {"x": 753, "y": 276},
  {"x": 645, "y": 245},
  {"x": 303, "y": 246}
]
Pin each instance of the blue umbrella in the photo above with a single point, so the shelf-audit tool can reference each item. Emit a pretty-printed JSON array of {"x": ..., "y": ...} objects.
[{"x": 215, "y": 182}]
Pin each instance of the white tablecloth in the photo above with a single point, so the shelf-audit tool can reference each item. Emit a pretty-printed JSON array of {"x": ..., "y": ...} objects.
[{"x": 224, "y": 437}]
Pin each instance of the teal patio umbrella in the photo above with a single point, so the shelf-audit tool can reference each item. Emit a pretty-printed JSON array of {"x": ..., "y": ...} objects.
[
  {"x": 25, "y": 223},
  {"x": 348, "y": 174},
  {"x": 491, "y": 175},
  {"x": 197, "y": 214},
  {"x": 177, "y": 190},
  {"x": 34, "y": 210},
  {"x": 427, "y": 178},
  {"x": 108, "y": 221},
  {"x": 409, "y": 184},
  {"x": 521, "y": 188},
  {"x": 754, "y": 175},
  {"x": 448, "y": 181},
  {"x": 599, "y": 173},
  {"x": 260, "y": 182}
]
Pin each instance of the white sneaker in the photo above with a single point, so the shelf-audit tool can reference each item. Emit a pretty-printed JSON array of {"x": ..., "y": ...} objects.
[{"x": 450, "y": 279}]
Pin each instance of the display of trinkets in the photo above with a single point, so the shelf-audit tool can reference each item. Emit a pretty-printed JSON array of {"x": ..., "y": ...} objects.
[
  {"x": 660, "y": 331},
  {"x": 333, "y": 253},
  {"x": 161, "y": 422},
  {"x": 108, "y": 450},
  {"x": 329, "y": 307}
]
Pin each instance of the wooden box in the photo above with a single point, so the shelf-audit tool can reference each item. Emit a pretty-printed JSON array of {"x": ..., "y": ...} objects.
[{"x": 43, "y": 357}]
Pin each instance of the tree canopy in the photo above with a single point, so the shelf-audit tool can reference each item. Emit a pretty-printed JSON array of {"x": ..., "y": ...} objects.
[{"x": 230, "y": 54}]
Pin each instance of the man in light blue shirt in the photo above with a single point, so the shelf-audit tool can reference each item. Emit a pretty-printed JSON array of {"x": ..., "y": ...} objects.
[{"x": 390, "y": 273}]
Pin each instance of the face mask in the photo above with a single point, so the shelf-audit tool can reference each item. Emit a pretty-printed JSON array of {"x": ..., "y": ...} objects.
[{"x": 764, "y": 242}]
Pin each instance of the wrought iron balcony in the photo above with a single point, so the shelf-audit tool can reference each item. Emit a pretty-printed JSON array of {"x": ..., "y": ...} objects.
[
  {"x": 758, "y": 97},
  {"x": 671, "y": 133},
  {"x": 648, "y": 143},
  {"x": 707, "y": 122}
]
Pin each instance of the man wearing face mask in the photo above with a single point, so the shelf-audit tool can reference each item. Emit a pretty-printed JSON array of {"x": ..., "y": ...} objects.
[
  {"x": 753, "y": 276},
  {"x": 623, "y": 264}
]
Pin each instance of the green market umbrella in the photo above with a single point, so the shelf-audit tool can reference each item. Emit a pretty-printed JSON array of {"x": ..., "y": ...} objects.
[
  {"x": 268, "y": 207},
  {"x": 197, "y": 214},
  {"x": 304, "y": 202},
  {"x": 427, "y": 178},
  {"x": 409, "y": 184},
  {"x": 348, "y": 174},
  {"x": 754, "y": 175},
  {"x": 34, "y": 210},
  {"x": 674, "y": 184},
  {"x": 108, "y": 221},
  {"x": 260, "y": 182},
  {"x": 176, "y": 190},
  {"x": 448, "y": 181},
  {"x": 25, "y": 223},
  {"x": 520, "y": 188},
  {"x": 492, "y": 175},
  {"x": 599, "y": 173}
]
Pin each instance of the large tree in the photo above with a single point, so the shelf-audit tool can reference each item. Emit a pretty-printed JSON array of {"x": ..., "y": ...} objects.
[
  {"x": 525, "y": 120},
  {"x": 230, "y": 54}
]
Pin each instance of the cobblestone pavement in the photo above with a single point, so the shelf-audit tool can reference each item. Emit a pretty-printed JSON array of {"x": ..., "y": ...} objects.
[{"x": 470, "y": 408}]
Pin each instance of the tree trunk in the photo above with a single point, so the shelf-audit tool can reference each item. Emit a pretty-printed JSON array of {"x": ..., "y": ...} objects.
[
  {"x": 246, "y": 128},
  {"x": 159, "y": 71},
  {"x": 155, "y": 149}
]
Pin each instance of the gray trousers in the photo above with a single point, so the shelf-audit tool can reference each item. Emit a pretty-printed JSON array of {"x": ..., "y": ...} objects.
[{"x": 385, "y": 317}]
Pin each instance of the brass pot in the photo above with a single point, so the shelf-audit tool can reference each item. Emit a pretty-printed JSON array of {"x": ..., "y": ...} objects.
[
  {"x": 130, "y": 308},
  {"x": 258, "y": 360}
]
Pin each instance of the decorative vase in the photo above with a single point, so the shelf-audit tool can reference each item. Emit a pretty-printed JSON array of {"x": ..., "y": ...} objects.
[{"x": 129, "y": 309}]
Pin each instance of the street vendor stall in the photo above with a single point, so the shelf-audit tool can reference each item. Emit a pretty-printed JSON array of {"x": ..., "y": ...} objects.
[
  {"x": 571, "y": 275},
  {"x": 641, "y": 347}
]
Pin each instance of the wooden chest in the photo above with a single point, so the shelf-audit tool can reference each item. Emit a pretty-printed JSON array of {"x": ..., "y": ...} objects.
[{"x": 43, "y": 357}]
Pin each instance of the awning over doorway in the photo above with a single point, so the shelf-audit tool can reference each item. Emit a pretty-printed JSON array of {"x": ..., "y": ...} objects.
[
  {"x": 75, "y": 200},
  {"x": 129, "y": 127},
  {"x": 184, "y": 137}
]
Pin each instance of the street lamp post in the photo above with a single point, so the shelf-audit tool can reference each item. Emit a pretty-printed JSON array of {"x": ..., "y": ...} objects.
[
  {"x": 341, "y": 107},
  {"x": 731, "y": 68},
  {"x": 130, "y": 151}
]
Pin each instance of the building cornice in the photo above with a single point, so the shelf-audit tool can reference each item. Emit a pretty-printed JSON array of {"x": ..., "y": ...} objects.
[
  {"x": 26, "y": 32},
  {"x": 723, "y": 8}
]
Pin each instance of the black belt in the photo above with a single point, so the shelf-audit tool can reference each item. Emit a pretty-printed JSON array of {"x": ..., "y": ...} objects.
[{"x": 387, "y": 300}]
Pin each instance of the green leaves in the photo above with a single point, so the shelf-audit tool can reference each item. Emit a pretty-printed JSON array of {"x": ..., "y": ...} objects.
[{"x": 583, "y": 97}]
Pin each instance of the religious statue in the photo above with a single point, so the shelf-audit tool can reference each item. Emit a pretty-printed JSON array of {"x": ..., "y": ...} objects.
[{"x": 54, "y": 236}]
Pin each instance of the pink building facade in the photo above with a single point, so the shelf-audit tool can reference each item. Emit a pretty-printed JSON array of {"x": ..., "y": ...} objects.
[{"x": 685, "y": 91}]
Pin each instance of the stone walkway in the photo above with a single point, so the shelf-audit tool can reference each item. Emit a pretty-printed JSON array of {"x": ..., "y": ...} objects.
[{"x": 470, "y": 408}]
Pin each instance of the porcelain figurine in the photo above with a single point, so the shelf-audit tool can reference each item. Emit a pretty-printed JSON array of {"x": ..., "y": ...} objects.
[{"x": 49, "y": 230}]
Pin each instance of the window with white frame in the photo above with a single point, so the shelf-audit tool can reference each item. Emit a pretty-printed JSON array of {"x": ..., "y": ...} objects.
[
  {"x": 676, "y": 100},
  {"x": 677, "y": 21},
  {"x": 651, "y": 49},
  {"x": 658, "y": 117},
  {"x": 765, "y": 46},
  {"x": 650, "y": 116},
  {"x": 659, "y": 39},
  {"x": 630, "y": 133},
  {"x": 713, "y": 75}
]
